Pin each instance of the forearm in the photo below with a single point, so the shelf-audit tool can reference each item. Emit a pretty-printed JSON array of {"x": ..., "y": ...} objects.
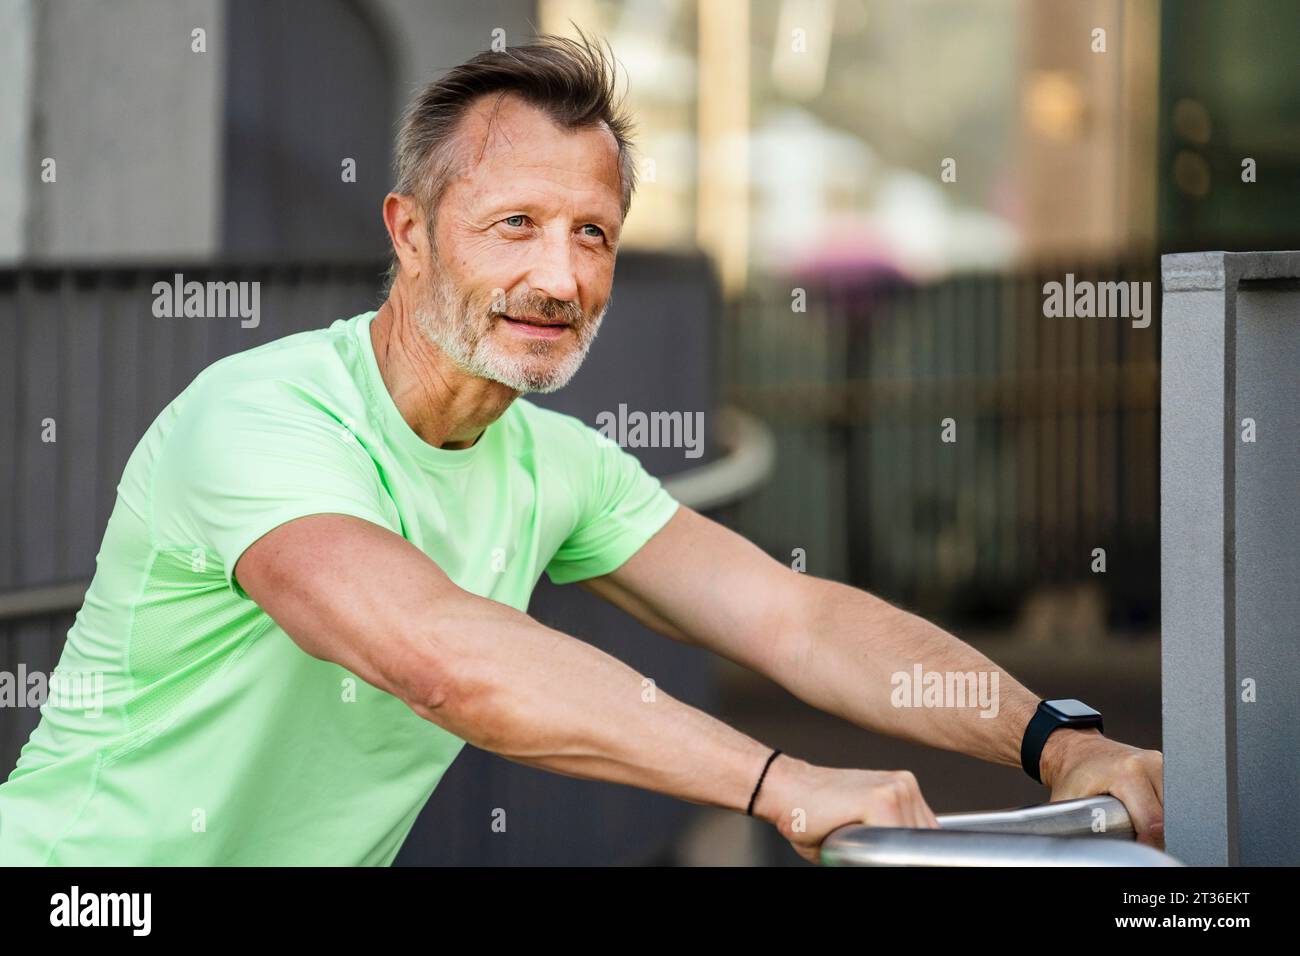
[
  {"x": 856, "y": 656},
  {"x": 545, "y": 699},
  {"x": 355, "y": 594}
]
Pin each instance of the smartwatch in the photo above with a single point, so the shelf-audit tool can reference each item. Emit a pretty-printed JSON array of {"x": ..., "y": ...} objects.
[{"x": 1053, "y": 715}]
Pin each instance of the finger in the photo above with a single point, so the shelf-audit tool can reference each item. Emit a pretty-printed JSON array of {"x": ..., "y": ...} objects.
[
  {"x": 1158, "y": 777},
  {"x": 887, "y": 808},
  {"x": 925, "y": 818},
  {"x": 919, "y": 813},
  {"x": 887, "y": 811},
  {"x": 931, "y": 820},
  {"x": 1139, "y": 798},
  {"x": 914, "y": 808}
]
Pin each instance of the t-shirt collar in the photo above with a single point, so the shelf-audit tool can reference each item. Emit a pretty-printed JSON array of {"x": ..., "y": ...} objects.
[{"x": 395, "y": 426}]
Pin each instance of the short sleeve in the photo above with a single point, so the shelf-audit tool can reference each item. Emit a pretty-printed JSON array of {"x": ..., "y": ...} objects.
[
  {"x": 237, "y": 465},
  {"x": 625, "y": 506}
]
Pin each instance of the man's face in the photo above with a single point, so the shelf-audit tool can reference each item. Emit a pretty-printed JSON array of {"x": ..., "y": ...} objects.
[{"x": 525, "y": 245}]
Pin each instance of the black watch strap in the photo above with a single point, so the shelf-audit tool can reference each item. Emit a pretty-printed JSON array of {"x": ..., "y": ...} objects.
[{"x": 1051, "y": 716}]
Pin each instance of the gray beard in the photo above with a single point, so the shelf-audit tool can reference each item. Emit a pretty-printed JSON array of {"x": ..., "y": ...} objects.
[{"x": 463, "y": 334}]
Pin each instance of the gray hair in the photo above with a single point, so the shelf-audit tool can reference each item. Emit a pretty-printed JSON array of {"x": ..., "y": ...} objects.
[{"x": 571, "y": 81}]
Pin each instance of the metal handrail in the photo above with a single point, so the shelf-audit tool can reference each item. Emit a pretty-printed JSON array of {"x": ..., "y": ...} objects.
[
  {"x": 38, "y": 601},
  {"x": 1048, "y": 834},
  {"x": 1100, "y": 816},
  {"x": 748, "y": 462}
]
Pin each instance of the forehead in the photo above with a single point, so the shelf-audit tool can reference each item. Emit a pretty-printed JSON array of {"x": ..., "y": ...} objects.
[{"x": 502, "y": 139}]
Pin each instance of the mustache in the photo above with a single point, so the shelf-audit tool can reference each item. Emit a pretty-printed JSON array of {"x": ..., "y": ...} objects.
[{"x": 548, "y": 308}]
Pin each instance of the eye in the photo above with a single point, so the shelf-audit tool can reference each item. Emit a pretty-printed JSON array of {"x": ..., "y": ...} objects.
[
  {"x": 509, "y": 221},
  {"x": 599, "y": 233}
]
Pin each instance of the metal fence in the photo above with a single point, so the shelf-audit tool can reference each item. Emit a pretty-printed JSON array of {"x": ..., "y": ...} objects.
[{"x": 1053, "y": 426}]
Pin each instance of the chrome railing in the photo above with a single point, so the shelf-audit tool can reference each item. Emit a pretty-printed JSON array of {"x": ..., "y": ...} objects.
[
  {"x": 749, "y": 454},
  {"x": 1093, "y": 831}
]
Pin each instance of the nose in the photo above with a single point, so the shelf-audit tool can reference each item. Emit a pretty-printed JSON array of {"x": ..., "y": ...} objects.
[{"x": 552, "y": 271}]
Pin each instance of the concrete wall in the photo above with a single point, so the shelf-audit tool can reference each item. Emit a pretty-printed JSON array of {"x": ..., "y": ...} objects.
[
  {"x": 165, "y": 154},
  {"x": 17, "y": 45},
  {"x": 430, "y": 38},
  {"x": 132, "y": 118},
  {"x": 1229, "y": 560}
]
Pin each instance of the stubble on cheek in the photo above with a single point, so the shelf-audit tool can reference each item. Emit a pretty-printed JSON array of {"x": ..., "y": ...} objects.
[{"x": 473, "y": 331}]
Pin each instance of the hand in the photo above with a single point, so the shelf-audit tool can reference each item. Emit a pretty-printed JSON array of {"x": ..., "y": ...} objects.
[
  {"x": 805, "y": 802},
  {"x": 1083, "y": 763}
]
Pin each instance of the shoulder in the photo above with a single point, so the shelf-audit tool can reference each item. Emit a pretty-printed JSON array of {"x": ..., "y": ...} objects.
[
  {"x": 313, "y": 373},
  {"x": 271, "y": 431},
  {"x": 302, "y": 358},
  {"x": 266, "y": 404}
]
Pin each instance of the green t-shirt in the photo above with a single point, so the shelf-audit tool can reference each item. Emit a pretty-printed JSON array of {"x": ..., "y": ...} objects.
[{"x": 187, "y": 728}]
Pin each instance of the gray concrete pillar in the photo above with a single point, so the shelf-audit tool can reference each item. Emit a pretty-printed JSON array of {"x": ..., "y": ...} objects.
[{"x": 1230, "y": 557}]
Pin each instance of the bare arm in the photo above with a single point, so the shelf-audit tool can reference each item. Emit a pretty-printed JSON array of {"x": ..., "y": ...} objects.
[
  {"x": 353, "y": 593},
  {"x": 848, "y": 632},
  {"x": 838, "y": 648},
  {"x": 833, "y": 646},
  {"x": 853, "y": 644}
]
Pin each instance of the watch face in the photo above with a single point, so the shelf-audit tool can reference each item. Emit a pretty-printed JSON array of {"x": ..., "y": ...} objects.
[{"x": 1071, "y": 708}]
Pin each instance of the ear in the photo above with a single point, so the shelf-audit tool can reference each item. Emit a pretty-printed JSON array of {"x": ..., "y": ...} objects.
[{"x": 405, "y": 222}]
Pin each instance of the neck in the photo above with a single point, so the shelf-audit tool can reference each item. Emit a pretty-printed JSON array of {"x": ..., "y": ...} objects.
[{"x": 443, "y": 405}]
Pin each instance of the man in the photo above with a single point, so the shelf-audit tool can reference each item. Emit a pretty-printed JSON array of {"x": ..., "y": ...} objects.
[{"x": 311, "y": 591}]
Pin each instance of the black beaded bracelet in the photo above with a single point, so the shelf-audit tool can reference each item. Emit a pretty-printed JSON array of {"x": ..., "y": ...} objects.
[{"x": 754, "y": 796}]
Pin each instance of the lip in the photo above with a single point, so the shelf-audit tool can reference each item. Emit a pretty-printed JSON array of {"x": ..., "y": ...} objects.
[{"x": 536, "y": 327}]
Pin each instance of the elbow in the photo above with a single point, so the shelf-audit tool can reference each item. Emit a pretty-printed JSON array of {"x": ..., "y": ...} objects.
[
  {"x": 434, "y": 691},
  {"x": 421, "y": 673},
  {"x": 464, "y": 687},
  {"x": 485, "y": 713},
  {"x": 800, "y": 624},
  {"x": 431, "y": 698},
  {"x": 458, "y": 703}
]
